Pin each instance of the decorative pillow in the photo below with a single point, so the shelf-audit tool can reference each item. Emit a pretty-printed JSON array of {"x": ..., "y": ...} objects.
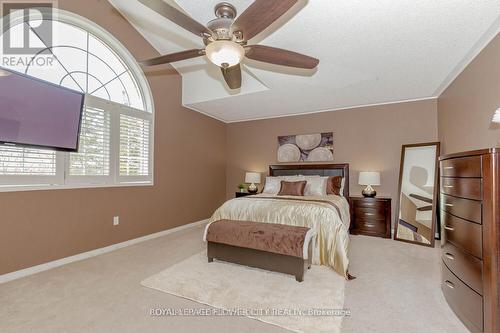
[
  {"x": 315, "y": 186},
  {"x": 273, "y": 184},
  {"x": 335, "y": 185},
  {"x": 292, "y": 188}
]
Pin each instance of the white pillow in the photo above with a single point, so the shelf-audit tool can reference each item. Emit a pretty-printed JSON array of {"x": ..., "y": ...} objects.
[
  {"x": 291, "y": 178},
  {"x": 315, "y": 186},
  {"x": 273, "y": 184}
]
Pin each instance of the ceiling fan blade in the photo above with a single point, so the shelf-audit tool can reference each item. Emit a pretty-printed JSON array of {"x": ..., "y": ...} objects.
[
  {"x": 259, "y": 15},
  {"x": 165, "y": 59},
  {"x": 232, "y": 75},
  {"x": 176, "y": 16},
  {"x": 281, "y": 57}
]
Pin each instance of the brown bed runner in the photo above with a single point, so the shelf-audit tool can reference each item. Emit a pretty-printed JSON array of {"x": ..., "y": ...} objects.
[{"x": 276, "y": 238}]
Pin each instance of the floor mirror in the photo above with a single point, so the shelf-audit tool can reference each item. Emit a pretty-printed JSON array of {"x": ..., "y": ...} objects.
[{"x": 418, "y": 193}]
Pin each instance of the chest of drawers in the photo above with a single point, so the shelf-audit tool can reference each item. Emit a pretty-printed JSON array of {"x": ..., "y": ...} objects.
[{"x": 469, "y": 211}]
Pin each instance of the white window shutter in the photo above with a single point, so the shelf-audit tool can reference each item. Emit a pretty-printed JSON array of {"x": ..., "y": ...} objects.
[
  {"x": 22, "y": 166},
  {"x": 93, "y": 157},
  {"x": 26, "y": 161},
  {"x": 134, "y": 161}
]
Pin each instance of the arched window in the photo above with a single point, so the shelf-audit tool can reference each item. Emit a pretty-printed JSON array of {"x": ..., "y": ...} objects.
[{"x": 116, "y": 140}]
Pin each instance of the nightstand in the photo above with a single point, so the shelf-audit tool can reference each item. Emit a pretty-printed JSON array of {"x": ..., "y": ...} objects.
[
  {"x": 370, "y": 216},
  {"x": 242, "y": 194}
]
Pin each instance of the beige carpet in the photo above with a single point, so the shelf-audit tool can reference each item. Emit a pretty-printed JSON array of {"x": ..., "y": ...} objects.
[
  {"x": 397, "y": 290},
  {"x": 234, "y": 287}
]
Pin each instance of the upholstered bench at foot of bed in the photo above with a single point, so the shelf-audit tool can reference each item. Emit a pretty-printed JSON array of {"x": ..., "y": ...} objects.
[{"x": 274, "y": 247}]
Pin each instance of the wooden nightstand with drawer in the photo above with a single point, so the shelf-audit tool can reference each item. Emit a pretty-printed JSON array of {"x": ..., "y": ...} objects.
[{"x": 370, "y": 216}]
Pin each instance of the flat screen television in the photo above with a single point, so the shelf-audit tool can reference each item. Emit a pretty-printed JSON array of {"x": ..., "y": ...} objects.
[{"x": 39, "y": 114}]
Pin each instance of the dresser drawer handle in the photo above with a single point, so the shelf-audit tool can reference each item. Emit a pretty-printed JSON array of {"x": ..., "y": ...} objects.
[
  {"x": 449, "y": 256},
  {"x": 448, "y": 205},
  {"x": 446, "y": 227},
  {"x": 448, "y": 186},
  {"x": 449, "y": 284},
  {"x": 449, "y": 167},
  {"x": 369, "y": 214}
]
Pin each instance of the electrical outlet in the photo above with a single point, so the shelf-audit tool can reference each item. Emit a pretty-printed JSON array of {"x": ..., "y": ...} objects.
[{"x": 116, "y": 220}]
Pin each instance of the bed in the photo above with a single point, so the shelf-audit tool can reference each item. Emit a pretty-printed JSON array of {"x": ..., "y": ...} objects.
[{"x": 327, "y": 214}]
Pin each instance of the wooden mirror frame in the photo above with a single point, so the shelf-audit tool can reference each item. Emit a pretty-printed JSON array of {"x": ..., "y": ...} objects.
[{"x": 434, "y": 195}]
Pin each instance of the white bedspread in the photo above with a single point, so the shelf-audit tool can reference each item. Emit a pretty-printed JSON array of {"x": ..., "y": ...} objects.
[{"x": 328, "y": 215}]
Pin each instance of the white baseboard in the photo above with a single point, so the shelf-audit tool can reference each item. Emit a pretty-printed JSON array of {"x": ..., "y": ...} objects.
[{"x": 85, "y": 255}]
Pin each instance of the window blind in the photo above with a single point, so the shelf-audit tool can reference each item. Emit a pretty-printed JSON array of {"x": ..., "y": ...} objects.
[
  {"x": 93, "y": 157},
  {"x": 17, "y": 161},
  {"x": 134, "y": 146}
]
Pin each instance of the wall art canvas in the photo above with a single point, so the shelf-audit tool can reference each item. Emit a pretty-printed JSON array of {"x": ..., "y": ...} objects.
[{"x": 305, "y": 148}]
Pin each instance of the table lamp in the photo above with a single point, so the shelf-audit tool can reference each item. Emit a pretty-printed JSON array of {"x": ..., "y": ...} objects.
[
  {"x": 369, "y": 179},
  {"x": 252, "y": 178}
]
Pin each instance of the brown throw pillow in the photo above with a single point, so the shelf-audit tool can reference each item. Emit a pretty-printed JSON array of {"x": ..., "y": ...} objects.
[
  {"x": 292, "y": 188},
  {"x": 333, "y": 185}
]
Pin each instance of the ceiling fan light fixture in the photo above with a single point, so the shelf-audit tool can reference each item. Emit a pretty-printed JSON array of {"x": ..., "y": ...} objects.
[
  {"x": 226, "y": 37},
  {"x": 225, "y": 53}
]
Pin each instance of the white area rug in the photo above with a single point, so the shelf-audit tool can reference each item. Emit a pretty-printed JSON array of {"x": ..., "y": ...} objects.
[{"x": 230, "y": 287}]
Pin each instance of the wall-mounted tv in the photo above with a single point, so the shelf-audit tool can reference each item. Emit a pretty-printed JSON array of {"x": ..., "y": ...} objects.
[{"x": 36, "y": 113}]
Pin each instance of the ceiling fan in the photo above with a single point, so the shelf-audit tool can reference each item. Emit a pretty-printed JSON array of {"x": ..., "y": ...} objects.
[{"x": 226, "y": 37}]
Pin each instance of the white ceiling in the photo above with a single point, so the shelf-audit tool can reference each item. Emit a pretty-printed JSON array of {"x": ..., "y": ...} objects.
[{"x": 370, "y": 51}]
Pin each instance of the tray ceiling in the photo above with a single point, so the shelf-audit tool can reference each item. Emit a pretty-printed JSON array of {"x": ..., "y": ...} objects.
[{"x": 371, "y": 52}]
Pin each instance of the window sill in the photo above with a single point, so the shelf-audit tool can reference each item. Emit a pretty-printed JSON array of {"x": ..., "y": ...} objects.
[{"x": 45, "y": 187}]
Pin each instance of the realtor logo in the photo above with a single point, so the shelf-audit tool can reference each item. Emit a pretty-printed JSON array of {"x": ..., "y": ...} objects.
[{"x": 35, "y": 21}]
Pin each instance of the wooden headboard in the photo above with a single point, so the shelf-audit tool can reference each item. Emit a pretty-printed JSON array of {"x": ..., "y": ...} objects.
[{"x": 313, "y": 170}]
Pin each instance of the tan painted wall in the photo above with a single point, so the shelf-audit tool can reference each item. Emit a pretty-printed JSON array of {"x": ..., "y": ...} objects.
[
  {"x": 468, "y": 104},
  {"x": 41, "y": 226},
  {"x": 369, "y": 139},
  {"x": 194, "y": 153}
]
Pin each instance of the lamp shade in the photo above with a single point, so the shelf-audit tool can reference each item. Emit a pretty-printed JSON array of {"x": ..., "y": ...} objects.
[
  {"x": 496, "y": 117},
  {"x": 225, "y": 52},
  {"x": 252, "y": 178},
  {"x": 369, "y": 178}
]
